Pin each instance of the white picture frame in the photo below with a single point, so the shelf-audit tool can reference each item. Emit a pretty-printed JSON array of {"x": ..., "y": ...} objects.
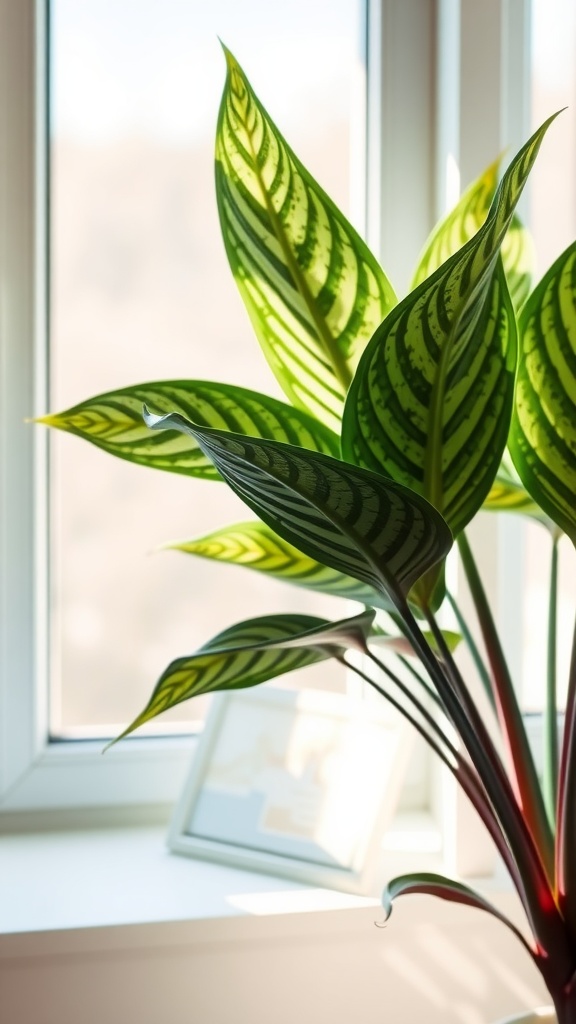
[{"x": 299, "y": 784}]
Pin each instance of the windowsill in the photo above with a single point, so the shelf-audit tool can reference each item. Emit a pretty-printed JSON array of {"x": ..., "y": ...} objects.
[
  {"x": 106, "y": 925},
  {"x": 101, "y": 878}
]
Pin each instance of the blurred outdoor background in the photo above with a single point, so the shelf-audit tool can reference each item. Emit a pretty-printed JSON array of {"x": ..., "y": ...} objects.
[{"x": 141, "y": 291}]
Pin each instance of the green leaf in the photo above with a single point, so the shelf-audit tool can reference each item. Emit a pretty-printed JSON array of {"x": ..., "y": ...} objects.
[
  {"x": 543, "y": 432},
  {"x": 507, "y": 494},
  {"x": 250, "y": 653},
  {"x": 113, "y": 421},
  {"x": 430, "y": 884},
  {"x": 462, "y": 223},
  {"x": 431, "y": 400},
  {"x": 255, "y": 546},
  {"x": 347, "y": 518},
  {"x": 313, "y": 290},
  {"x": 459, "y": 225},
  {"x": 519, "y": 259}
]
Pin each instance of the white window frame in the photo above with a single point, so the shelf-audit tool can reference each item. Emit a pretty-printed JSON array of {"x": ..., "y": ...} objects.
[
  {"x": 416, "y": 50},
  {"x": 36, "y": 774}
]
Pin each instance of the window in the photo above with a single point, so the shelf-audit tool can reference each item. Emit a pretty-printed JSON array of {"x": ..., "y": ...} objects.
[
  {"x": 521, "y": 558},
  {"x": 141, "y": 290},
  {"x": 427, "y": 64},
  {"x": 553, "y": 221},
  {"x": 129, "y": 183}
]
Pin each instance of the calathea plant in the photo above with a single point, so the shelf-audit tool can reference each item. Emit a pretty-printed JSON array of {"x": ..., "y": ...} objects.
[{"x": 403, "y": 419}]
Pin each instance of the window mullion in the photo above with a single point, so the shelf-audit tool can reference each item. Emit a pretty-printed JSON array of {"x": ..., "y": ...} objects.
[
  {"x": 494, "y": 94},
  {"x": 401, "y": 151},
  {"x": 18, "y": 382},
  {"x": 494, "y": 119}
]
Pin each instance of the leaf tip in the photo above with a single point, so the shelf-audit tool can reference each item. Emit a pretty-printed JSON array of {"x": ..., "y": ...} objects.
[
  {"x": 387, "y": 904},
  {"x": 50, "y": 420},
  {"x": 231, "y": 62},
  {"x": 129, "y": 729},
  {"x": 169, "y": 545}
]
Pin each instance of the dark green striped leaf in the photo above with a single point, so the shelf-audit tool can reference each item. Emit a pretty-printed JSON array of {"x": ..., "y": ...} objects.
[
  {"x": 459, "y": 225},
  {"x": 354, "y": 521},
  {"x": 543, "y": 433},
  {"x": 255, "y": 546},
  {"x": 462, "y": 223},
  {"x": 113, "y": 421},
  {"x": 431, "y": 400},
  {"x": 519, "y": 259},
  {"x": 250, "y": 653},
  {"x": 313, "y": 290}
]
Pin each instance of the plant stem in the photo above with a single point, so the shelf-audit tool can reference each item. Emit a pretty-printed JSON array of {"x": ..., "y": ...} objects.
[
  {"x": 525, "y": 776},
  {"x": 463, "y": 772},
  {"x": 430, "y": 740},
  {"x": 429, "y": 719},
  {"x": 566, "y": 826},
  {"x": 419, "y": 679},
  {"x": 564, "y": 999},
  {"x": 550, "y": 767},
  {"x": 405, "y": 662},
  {"x": 473, "y": 648},
  {"x": 531, "y": 878}
]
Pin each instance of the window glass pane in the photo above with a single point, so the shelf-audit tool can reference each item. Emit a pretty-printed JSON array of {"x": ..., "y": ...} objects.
[
  {"x": 553, "y": 222},
  {"x": 552, "y": 194},
  {"x": 140, "y": 291}
]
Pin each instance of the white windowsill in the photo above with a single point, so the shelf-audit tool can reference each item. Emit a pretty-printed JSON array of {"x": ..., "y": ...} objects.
[
  {"x": 106, "y": 925},
  {"x": 58, "y": 882}
]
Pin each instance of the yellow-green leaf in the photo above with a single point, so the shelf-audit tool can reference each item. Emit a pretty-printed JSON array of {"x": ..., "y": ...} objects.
[
  {"x": 113, "y": 421},
  {"x": 313, "y": 290},
  {"x": 255, "y": 546}
]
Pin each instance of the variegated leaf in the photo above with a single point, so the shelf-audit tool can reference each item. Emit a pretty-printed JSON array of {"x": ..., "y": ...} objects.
[
  {"x": 431, "y": 400},
  {"x": 250, "y": 653},
  {"x": 255, "y": 546},
  {"x": 429, "y": 884},
  {"x": 459, "y": 225},
  {"x": 463, "y": 221},
  {"x": 543, "y": 433},
  {"x": 519, "y": 259},
  {"x": 113, "y": 421},
  {"x": 508, "y": 494},
  {"x": 313, "y": 290},
  {"x": 356, "y": 522}
]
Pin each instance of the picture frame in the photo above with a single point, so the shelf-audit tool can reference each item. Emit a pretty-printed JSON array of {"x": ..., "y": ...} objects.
[{"x": 299, "y": 784}]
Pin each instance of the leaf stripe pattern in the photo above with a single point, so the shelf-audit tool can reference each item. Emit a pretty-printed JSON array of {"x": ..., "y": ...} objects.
[
  {"x": 254, "y": 545},
  {"x": 253, "y": 652},
  {"x": 460, "y": 224},
  {"x": 313, "y": 290},
  {"x": 431, "y": 400},
  {"x": 475, "y": 412},
  {"x": 113, "y": 421},
  {"x": 543, "y": 433},
  {"x": 354, "y": 521},
  {"x": 507, "y": 494},
  {"x": 464, "y": 221},
  {"x": 519, "y": 259}
]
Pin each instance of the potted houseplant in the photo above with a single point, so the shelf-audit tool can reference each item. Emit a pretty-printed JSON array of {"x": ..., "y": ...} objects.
[{"x": 403, "y": 420}]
